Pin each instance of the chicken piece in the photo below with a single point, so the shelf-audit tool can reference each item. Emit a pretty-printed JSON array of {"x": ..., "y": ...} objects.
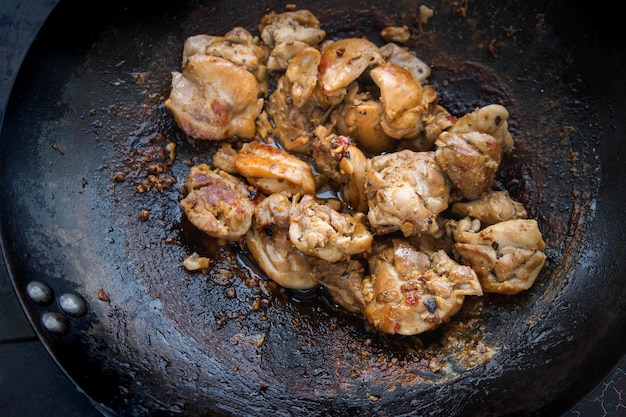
[
  {"x": 318, "y": 230},
  {"x": 292, "y": 26},
  {"x": 410, "y": 292},
  {"x": 359, "y": 117},
  {"x": 217, "y": 203},
  {"x": 343, "y": 61},
  {"x": 293, "y": 126},
  {"x": 195, "y": 262},
  {"x": 443, "y": 239},
  {"x": 491, "y": 119},
  {"x": 283, "y": 53},
  {"x": 401, "y": 95},
  {"x": 406, "y": 59},
  {"x": 269, "y": 244},
  {"x": 470, "y": 161},
  {"x": 301, "y": 74},
  {"x": 342, "y": 281},
  {"x": 405, "y": 190},
  {"x": 341, "y": 162},
  {"x": 400, "y": 34},
  {"x": 237, "y": 46},
  {"x": 224, "y": 158},
  {"x": 214, "y": 99},
  {"x": 507, "y": 256},
  {"x": 273, "y": 170},
  {"x": 436, "y": 120},
  {"x": 493, "y": 207}
]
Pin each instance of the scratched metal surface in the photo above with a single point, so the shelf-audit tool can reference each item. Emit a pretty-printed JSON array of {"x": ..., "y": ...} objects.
[{"x": 19, "y": 21}]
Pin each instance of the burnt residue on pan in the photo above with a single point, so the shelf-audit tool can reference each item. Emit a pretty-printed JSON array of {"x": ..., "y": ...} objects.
[{"x": 231, "y": 342}]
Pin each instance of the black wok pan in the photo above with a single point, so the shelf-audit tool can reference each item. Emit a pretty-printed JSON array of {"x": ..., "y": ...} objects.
[{"x": 85, "y": 123}]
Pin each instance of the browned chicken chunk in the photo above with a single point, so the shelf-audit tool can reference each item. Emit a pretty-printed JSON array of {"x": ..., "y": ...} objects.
[
  {"x": 401, "y": 96},
  {"x": 319, "y": 230},
  {"x": 269, "y": 245},
  {"x": 493, "y": 207},
  {"x": 491, "y": 119},
  {"x": 410, "y": 292},
  {"x": 343, "y": 61},
  {"x": 298, "y": 25},
  {"x": 215, "y": 99},
  {"x": 273, "y": 170},
  {"x": 507, "y": 256},
  {"x": 342, "y": 280},
  {"x": 359, "y": 117},
  {"x": 406, "y": 191},
  {"x": 237, "y": 46},
  {"x": 343, "y": 164},
  {"x": 293, "y": 126},
  {"x": 470, "y": 161},
  {"x": 218, "y": 203}
]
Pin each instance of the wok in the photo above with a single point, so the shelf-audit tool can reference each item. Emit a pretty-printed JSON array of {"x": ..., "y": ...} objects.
[{"x": 142, "y": 336}]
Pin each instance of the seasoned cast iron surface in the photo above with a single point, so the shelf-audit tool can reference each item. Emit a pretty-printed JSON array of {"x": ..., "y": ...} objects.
[{"x": 91, "y": 197}]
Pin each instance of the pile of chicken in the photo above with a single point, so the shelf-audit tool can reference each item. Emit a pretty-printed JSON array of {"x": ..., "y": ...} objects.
[{"x": 338, "y": 167}]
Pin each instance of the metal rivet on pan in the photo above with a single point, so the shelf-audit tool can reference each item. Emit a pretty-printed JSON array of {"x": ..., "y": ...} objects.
[
  {"x": 73, "y": 304},
  {"x": 40, "y": 292},
  {"x": 54, "y": 323}
]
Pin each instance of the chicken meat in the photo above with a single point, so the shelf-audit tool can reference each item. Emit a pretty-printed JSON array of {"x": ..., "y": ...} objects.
[
  {"x": 269, "y": 244},
  {"x": 359, "y": 117},
  {"x": 507, "y": 256},
  {"x": 237, "y": 46},
  {"x": 293, "y": 127},
  {"x": 342, "y": 280},
  {"x": 319, "y": 230},
  {"x": 292, "y": 26},
  {"x": 274, "y": 170},
  {"x": 493, "y": 207},
  {"x": 401, "y": 96},
  {"x": 491, "y": 119},
  {"x": 213, "y": 98},
  {"x": 410, "y": 292},
  {"x": 406, "y": 191},
  {"x": 218, "y": 203},
  {"x": 343, "y": 61},
  {"x": 342, "y": 164},
  {"x": 470, "y": 161}
]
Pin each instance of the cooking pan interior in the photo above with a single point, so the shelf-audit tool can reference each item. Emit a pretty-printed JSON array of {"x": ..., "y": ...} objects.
[{"x": 84, "y": 213}]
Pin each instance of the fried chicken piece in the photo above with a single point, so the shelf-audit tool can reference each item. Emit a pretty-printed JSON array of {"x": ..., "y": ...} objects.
[
  {"x": 342, "y": 281},
  {"x": 269, "y": 244},
  {"x": 410, "y": 292},
  {"x": 398, "y": 55},
  {"x": 224, "y": 158},
  {"x": 507, "y": 256},
  {"x": 214, "y": 99},
  {"x": 491, "y": 119},
  {"x": 273, "y": 170},
  {"x": 470, "y": 161},
  {"x": 319, "y": 230},
  {"x": 359, "y": 117},
  {"x": 343, "y": 61},
  {"x": 401, "y": 96},
  {"x": 343, "y": 164},
  {"x": 493, "y": 207},
  {"x": 406, "y": 191},
  {"x": 301, "y": 74},
  {"x": 217, "y": 203},
  {"x": 238, "y": 46},
  {"x": 293, "y": 126},
  {"x": 292, "y": 26}
]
